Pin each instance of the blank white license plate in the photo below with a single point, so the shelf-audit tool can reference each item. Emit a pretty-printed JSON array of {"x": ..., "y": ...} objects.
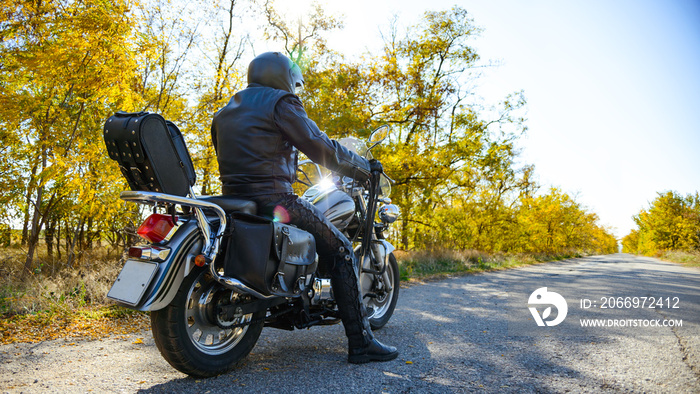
[{"x": 133, "y": 281}]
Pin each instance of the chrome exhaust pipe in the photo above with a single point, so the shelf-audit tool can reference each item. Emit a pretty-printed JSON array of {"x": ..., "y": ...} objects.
[{"x": 236, "y": 285}]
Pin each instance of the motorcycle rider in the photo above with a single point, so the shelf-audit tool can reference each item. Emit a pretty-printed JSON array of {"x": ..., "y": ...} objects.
[{"x": 256, "y": 137}]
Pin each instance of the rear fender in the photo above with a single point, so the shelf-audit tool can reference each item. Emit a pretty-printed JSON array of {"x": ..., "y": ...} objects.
[{"x": 186, "y": 243}]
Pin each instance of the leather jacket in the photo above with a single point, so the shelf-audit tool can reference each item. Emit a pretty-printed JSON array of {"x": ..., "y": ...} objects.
[{"x": 256, "y": 137}]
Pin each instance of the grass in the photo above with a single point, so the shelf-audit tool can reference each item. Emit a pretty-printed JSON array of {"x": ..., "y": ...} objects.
[
  {"x": 57, "y": 301},
  {"x": 688, "y": 259},
  {"x": 52, "y": 284},
  {"x": 437, "y": 264}
]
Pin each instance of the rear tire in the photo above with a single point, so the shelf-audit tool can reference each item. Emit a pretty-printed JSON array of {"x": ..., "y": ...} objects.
[{"x": 188, "y": 337}]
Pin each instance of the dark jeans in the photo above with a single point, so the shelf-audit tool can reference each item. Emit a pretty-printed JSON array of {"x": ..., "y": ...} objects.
[
  {"x": 335, "y": 255},
  {"x": 289, "y": 208}
]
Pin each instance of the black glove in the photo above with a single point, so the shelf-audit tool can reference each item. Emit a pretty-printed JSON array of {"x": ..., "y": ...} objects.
[{"x": 375, "y": 166}]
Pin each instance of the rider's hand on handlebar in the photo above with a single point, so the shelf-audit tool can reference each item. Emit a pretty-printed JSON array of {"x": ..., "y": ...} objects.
[{"x": 375, "y": 166}]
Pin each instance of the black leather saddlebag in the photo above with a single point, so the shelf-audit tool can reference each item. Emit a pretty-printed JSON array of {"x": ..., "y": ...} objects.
[
  {"x": 271, "y": 257},
  {"x": 151, "y": 152}
]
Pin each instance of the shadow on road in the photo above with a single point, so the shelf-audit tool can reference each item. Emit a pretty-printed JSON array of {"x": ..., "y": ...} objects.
[
  {"x": 458, "y": 335},
  {"x": 465, "y": 334}
]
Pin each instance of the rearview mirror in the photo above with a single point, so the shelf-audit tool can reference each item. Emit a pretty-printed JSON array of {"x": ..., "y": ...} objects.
[{"x": 378, "y": 135}]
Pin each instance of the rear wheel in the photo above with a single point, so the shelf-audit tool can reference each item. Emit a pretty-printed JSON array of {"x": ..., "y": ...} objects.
[
  {"x": 194, "y": 338},
  {"x": 380, "y": 297}
]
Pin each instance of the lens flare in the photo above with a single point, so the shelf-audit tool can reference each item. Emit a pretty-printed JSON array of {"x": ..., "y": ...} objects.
[{"x": 280, "y": 214}]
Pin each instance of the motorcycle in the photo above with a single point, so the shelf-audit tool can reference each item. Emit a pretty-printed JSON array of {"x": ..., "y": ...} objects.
[{"x": 213, "y": 273}]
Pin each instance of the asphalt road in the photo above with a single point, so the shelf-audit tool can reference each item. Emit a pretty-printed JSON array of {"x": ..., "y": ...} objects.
[{"x": 465, "y": 334}]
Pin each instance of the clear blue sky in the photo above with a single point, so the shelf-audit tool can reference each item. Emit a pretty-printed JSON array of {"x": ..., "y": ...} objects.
[{"x": 613, "y": 89}]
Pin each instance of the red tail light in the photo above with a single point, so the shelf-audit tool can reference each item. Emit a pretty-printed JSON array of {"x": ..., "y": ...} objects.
[
  {"x": 156, "y": 227},
  {"x": 135, "y": 252}
]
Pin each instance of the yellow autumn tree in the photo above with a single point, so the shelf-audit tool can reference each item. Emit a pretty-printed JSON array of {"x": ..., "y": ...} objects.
[
  {"x": 65, "y": 64},
  {"x": 68, "y": 65},
  {"x": 672, "y": 222},
  {"x": 556, "y": 223}
]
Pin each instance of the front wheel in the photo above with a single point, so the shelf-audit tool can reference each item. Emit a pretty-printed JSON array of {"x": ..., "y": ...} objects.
[
  {"x": 380, "y": 297},
  {"x": 192, "y": 336}
]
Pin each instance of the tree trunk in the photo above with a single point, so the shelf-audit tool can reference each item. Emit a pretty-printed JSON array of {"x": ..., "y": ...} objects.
[
  {"x": 30, "y": 190},
  {"x": 81, "y": 235},
  {"x": 405, "y": 220},
  {"x": 68, "y": 240},
  {"x": 25, "y": 226},
  {"x": 205, "y": 180},
  {"x": 89, "y": 234},
  {"x": 49, "y": 237},
  {"x": 58, "y": 240},
  {"x": 71, "y": 253},
  {"x": 34, "y": 236}
]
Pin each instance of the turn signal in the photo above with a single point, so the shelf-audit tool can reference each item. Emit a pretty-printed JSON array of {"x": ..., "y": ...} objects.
[
  {"x": 200, "y": 260},
  {"x": 156, "y": 227},
  {"x": 153, "y": 253}
]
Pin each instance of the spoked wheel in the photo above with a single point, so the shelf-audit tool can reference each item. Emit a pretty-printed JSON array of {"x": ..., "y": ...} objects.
[
  {"x": 379, "y": 296},
  {"x": 194, "y": 337}
]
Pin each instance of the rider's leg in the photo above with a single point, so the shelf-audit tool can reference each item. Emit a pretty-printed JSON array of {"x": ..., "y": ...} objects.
[{"x": 331, "y": 244}]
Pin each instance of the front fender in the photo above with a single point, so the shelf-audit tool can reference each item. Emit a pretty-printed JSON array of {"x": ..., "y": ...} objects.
[{"x": 388, "y": 247}]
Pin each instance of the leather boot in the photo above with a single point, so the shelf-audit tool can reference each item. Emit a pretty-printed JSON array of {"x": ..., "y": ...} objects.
[{"x": 362, "y": 346}]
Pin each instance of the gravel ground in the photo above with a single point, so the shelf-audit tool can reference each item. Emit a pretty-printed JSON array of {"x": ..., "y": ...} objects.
[{"x": 465, "y": 334}]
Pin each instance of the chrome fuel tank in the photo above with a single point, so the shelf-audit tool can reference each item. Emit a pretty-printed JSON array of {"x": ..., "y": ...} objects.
[{"x": 336, "y": 205}]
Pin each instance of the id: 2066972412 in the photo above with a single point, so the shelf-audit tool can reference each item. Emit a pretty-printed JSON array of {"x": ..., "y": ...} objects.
[{"x": 631, "y": 303}]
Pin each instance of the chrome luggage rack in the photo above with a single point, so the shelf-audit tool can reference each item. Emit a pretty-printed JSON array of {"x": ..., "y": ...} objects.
[{"x": 212, "y": 242}]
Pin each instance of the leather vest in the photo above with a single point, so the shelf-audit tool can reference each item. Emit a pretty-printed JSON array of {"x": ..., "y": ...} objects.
[{"x": 254, "y": 158}]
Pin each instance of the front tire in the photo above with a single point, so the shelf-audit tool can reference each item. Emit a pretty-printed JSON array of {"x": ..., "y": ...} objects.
[
  {"x": 380, "y": 306},
  {"x": 188, "y": 336}
]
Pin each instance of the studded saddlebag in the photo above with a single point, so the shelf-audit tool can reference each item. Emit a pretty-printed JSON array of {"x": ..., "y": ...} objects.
[
  {"x": 271, "y": 257},
  {"x": 150, "y": 151}
]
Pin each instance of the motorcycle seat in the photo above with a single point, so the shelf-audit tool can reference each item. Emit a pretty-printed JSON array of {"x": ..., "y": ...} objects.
[{"x": 232, "y": 204}]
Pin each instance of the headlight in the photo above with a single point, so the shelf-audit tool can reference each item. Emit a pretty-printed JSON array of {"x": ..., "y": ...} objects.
[
  {"x": 389, "y": 213},
  {"x": 384, "y": 187}
]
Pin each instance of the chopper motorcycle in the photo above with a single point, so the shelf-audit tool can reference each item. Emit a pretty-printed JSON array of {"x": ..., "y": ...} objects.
[{"x": 213, "y": 273}]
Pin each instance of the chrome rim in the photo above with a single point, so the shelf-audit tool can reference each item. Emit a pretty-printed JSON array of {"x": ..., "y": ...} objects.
[
  {"x": 379, "y": 306},
  {"x": 200, "y": 319}
]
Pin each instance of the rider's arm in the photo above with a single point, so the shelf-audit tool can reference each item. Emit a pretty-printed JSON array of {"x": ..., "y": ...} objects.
[{"x": 303, "y": 133}]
